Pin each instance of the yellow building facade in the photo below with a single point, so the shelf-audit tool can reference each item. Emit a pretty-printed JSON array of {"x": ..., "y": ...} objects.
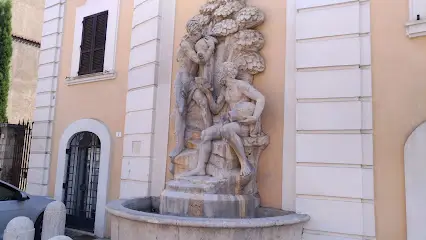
[{"x": 344, "y": 91}]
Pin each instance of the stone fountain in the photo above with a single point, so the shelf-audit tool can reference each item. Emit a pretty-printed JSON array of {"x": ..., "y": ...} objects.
[{"x": 213, "y": 194}]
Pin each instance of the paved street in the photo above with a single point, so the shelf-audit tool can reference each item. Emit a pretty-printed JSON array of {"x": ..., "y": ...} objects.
[{"x": 77, "y": 235}]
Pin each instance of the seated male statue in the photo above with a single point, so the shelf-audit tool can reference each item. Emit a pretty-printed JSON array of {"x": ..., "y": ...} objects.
[{"x": 242, "y": 116}]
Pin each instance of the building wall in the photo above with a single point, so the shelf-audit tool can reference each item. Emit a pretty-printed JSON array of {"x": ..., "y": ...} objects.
[
  {"x": 120, "y": 103},
  {"x": 334, "y": 125},
  {"x": 27, "y": 20},
  {"x": 148, "y": 99},
  {"x": 270, "y": 83},
  {"x": 399, "y": 99},
  {"x": 89, "y": 100},
  {"x": 23, "y": 81}
]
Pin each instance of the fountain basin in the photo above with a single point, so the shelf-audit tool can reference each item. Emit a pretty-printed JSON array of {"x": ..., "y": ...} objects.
[{"x": 137, "y": 219}]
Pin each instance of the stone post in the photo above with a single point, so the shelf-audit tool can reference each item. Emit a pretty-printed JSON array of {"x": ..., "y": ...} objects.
[
  {"x": 53, "y": 220},
  {"x": 61, "y": 238},
  {"x": 19, "y": 228}
]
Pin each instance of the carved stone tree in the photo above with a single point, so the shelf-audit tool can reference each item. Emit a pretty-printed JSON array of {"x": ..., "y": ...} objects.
[
  {"x": 232, "y": 22},
  {"x": 219, "y": 159}
]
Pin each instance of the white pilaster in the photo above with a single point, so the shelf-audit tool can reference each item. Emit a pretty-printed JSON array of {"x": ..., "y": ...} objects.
[
  {"x": 40, "y": 154},
  {"x": 290, "y": 101},
  {"x": 148, "y": 99},
  {"x": 328, "y": 162}
]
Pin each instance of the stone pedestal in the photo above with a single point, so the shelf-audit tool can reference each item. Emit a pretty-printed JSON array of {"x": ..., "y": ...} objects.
[{"x": 208, "y": 197}]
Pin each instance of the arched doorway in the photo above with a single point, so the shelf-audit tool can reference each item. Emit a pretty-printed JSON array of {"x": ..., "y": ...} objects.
[
  {"x": 101, "y": 130},
  {"x": 415, "y": 179},
  {"x": 81, "y": 180}
]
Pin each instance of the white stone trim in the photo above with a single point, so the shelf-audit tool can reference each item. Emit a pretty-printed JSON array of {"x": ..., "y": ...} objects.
[
  {"x": 98, "y": 128},
  {"x": 40, "y": 153},
  {"x": 415, "y": 178},
  {"x": 307, "y": 4},
  {"x": 290, "y": 101},
  {"x": 148, "y": 99},
  {"x": 416, "y": 28},
  {"x": 104, "y": 76},
  {"x": 158, "y": 174},
  {"x": 417, "y": 7},
  {"x": 89, "y": 8},
  {"x": 327, "y": 152}
]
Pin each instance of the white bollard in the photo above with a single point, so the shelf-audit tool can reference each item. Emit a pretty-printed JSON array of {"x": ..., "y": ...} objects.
[
  {"x": 19, "y": 228},
  {"x": 53, "y": 220},
  {"x": 61, "y": 238}
]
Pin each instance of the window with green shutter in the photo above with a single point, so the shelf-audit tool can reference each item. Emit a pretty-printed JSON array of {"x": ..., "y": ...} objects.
[{"x": 92, "y": 49}]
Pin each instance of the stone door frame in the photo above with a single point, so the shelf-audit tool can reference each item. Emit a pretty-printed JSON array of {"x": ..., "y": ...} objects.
[{"x": 101, "y": 130}]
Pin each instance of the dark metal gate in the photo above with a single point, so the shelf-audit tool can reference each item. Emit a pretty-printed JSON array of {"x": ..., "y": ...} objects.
[
  {"x": 15, "y": 144},
  {"x": 81, "y": 184}
]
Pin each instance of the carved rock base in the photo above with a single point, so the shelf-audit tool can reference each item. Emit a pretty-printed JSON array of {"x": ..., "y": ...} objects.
[
  {"x": 206, "y": 197},
  {"x": 223, "y": 163},
  {"x": 223, "y": 157},
  {"x": 186, "y": 160}
]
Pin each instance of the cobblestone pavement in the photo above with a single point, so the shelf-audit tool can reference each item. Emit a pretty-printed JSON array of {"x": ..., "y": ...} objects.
[{"x": 76, "y": 235}]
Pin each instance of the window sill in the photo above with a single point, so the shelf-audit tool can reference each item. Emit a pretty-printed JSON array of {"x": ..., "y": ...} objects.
[
  {"x": 96, "y": 77},
  {"x": 416, "y": 28}
]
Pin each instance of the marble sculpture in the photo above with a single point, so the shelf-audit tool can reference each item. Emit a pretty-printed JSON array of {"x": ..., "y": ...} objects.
[{"x": 218, "y": 129}]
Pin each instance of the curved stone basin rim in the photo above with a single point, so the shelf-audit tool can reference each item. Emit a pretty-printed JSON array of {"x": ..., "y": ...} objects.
[{"x": 116, "y": 208}]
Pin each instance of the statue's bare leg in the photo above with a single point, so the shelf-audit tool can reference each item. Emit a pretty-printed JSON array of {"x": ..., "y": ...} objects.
[
  {"x": 230, "y": 132},
  {"x": 180, "y": 124},
  {"x": 202, "y": 101},
  {"x": 204, "y": 151},
  {"x": 180, "y": 113},
  {"x": 180, "y": 135}
]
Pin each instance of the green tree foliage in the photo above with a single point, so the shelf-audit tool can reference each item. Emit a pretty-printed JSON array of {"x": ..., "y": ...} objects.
[{"x": 5, "y": 54}]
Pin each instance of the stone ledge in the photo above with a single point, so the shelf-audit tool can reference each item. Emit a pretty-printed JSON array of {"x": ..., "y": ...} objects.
[
  {"x": 196, "y": 184},
  {"x": 416, "y": 28},
  {"x": 116, "y": 208},
  {"x": 96, "y": 77},
  {"x": 206, "y": 205}
]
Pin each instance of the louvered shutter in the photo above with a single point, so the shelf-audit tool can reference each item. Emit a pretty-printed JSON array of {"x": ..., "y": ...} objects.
[
  {"x": 86, "y": 46},
  {"x": 99, "y": 44},
  {"x": 93, "y": 41}
]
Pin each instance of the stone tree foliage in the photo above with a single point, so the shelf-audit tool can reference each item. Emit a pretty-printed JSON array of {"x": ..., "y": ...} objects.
[
  {"x": 232, "y": 22},
  {"x": 5, "y": 54}
]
